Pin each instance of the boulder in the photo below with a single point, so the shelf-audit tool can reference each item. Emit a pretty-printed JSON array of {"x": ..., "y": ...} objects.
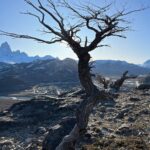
[
  {"x": 144, "y": 82},
  {"x": 40, "y": 130}
]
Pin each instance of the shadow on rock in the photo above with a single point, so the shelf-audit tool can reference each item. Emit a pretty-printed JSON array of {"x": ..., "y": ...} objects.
[
  {"x": 33, "y": 112},
  {"x": 57, "y": 132}
]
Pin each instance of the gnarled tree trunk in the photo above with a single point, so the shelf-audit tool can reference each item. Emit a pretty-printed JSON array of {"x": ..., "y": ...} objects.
[{"x": 86, "y": 106}]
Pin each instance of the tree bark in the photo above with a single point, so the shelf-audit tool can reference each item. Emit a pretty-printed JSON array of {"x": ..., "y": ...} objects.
[{"x": 86, "y": 106}]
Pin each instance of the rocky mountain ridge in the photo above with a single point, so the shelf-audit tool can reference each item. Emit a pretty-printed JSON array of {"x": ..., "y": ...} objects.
[
  {"x": 24, "y": 75},
  {"x": 12, "y": 57}
]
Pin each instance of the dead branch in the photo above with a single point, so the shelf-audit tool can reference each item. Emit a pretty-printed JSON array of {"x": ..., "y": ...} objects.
[
  {"x": 96, "y": 20},
  {"x": 30, "y": 37},
  {"x": 103, "y": 81},
  {"x": 118, "y": 83}
]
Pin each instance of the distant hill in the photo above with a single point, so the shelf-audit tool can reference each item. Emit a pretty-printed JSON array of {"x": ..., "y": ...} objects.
[
  {"x": 20, "y": 76},
  {"x": 115, "y": 68},
  {"x": 146, "y": 64},
  {"x": 15, "y": 77},
  {"x": 4, "y": 66},
  {"x": 9, "y": 56}
]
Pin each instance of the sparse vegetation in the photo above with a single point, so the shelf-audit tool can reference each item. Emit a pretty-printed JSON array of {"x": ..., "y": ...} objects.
[{"x": 102, "y": 24}]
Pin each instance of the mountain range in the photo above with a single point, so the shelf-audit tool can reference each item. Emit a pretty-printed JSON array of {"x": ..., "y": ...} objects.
[
  {"x": 12, "y": 57},
  {"x": 15, "y": 77},
  {"x": 117, "y": 67},
  {"x": 22, "y": 71},
  {"x": 9, "y": 56}
]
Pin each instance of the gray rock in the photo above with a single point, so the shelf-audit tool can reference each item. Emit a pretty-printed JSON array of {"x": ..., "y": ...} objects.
[
  {"x": 145, "y": 112},
  {"x": 28, "y": 140},
  {"x": 131, "y": 119},
  {"x": 144, "y": 83},
  {"x": 134, "y": 99},
  {"x": 122, "y": 113},
  {"x": 127, "y": 130},
  {"x": 101, "y": 114},
  {"x": 105, "y": 131},
  {"x": 108, "y": 103},
  {"x": 41, "y": 130},
  {"x": 102, "y": 109},
  {"x": 6, "y": 145}
]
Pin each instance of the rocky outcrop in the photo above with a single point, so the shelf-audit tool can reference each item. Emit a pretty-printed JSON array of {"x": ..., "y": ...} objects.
[
  {"x": 144, "y": 83},
  {"x": 43, "y": 121}
]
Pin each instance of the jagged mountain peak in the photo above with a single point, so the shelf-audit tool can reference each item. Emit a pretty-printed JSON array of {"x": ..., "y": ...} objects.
[
  {"x": 5, "y": 45},
  {"x": 5, "y": 48},
  {"x": 9, "y": 56}
]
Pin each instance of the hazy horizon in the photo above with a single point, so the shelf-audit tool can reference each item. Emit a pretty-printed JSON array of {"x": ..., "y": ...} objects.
[{"x": 134, "y": 49}]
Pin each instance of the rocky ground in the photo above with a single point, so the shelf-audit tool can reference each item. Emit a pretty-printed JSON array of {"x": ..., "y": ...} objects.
[{"x": 119, "y": 124}]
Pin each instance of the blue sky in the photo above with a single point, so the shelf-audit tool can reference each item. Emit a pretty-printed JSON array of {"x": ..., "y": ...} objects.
[{"x": 135, "y": 48}]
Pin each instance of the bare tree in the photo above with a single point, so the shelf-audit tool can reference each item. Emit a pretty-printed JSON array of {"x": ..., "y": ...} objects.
[
  {"x": 118, "y": 83},
  {"x": 114, "y": 85},
  {"x": 92, "y": 18}
]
